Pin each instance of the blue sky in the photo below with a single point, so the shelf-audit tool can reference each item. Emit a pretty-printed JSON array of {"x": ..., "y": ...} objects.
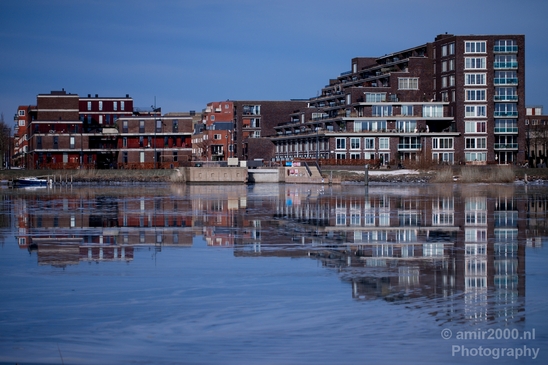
[{"x": 184, "y": 54}]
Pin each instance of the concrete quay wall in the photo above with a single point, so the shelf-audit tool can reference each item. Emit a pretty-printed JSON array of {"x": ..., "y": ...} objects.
[{"x": 208, "y": 175}]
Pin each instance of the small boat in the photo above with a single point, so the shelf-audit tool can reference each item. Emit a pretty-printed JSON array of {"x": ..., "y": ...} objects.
[{"x": 31, "y": 181}]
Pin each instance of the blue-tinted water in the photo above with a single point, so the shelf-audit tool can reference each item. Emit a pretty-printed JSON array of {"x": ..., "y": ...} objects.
[{"x": 273, "y": 274}]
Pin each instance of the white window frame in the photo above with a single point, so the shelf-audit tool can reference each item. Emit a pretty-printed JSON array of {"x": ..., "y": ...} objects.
[
  {"x": 476, "y": 95},
  {"x": 408, "y": 83},
  {"x": 384, "y": 143},
  {"x": 355, "y": 143},
  {"x": 475, "y": 126},
  {"x": 369, "y": 143},
  {"x": 475, "y": 79},
  {"x": 443, "y": 143},
  {"x": 475, "y": 111},
  {"x": 475, "y": 46},
  {"x": 475, "y": 63},
  {"x": 340, "y": 143},
  {"x": 479, "y": 143}
]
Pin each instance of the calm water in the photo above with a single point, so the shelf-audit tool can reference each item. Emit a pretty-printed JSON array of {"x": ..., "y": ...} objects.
[{"x": 274, "y": 274}]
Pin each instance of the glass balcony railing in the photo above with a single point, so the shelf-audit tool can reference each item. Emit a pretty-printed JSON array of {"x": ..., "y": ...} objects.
[
  {"x": 506, "y": 98},
  {"x": 506, "y": 146},
  {"x": 505, "y": 65},
  {"x": 506, "y": 113},
  {"x": 505, "y": 81},
  {"x": 506, "y": 129},
  {"x": 506, "y": 49},
  {"x": 409, "y": 146}
]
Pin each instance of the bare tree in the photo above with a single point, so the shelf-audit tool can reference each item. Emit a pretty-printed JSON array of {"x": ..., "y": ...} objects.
[{"x": 5, "y": 133}]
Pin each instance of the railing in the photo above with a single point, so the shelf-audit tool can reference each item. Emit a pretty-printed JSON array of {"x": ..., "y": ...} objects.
[
  {"x": 499, "y": 65},
  {"x": 506, "y": 81},
  {"x": 506, "y": 49},
  {"x": 506, "y": 146},
  {"x": 506, "y": 114},
  {"x": 409, "y": 146},
  {"x": 506, "y": 97},
  {"x": 506, "y": 129}
]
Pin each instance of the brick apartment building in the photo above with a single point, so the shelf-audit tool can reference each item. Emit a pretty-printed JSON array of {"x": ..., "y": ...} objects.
[
  {"x": 65, "y": 131},
  {"x": 536, "y": 130},
  {"x": 235, "y": 128},
  {"x": 459, "y": 99}
]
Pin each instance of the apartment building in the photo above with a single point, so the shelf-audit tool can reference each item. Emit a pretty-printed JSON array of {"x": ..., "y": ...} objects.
[
  {"x": 458, "y": 99},
  {"x": 20, "y": 135},
  {"x": 244, "y": 124},
  {"x": 536, "y": 136}
]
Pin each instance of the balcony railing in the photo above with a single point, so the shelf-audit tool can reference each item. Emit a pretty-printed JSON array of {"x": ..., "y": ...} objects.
[
  {"x": 506, "y": 113},
  {"x": 505, "y": 65},
  {"x": 506, "y": 81},
  {"x": 506, "y": 146},
  {"x": 506, "y": 98},
  {"x": 409, "y": 146},
  {"x": 506, "y": 49},
  {"x": 506, "y": 129}
]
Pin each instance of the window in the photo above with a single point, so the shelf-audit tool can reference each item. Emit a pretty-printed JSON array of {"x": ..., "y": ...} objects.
[
  {"x": 21, "y": 113},
  {"x": 475, "y": 111},
  {"x": 506, "y": 94},
  {"x": 506, "y": 126},
  {"x": 475, "y": 156},
  {"x": 124, "y": 126},
  {"x": 370, "y": 125},
  {"x": 100, "y": 105},
  {"x": 451, "y": 48},
  {"x": 341, "y": 143},
  {"x": 474, "y": 79},
  {"x": 474, "y": 47},
  {"x": 354, "y": 143},
  {"x": 506, "y": 45},
  {"x": 475, "y": 127},
  {"x": 158, "y": 126},
  {"x": 115, "y": 105},
  {"x": 142, "y": 157},
  {"x": 251, "y": 110},
  {"x": 89, "y": 105},
  {"x": 369, "y": 143},
  {"x": 476, "y": 142},
  {"x": 22, "y": 123},
  {"x": 175, "y": 126},
  {"x": 217, "y": 136},
  {"x": 408, "y": 83},
  {"x": 442, "y": 143},
  {"x": 471, "y": 63},
  {"x": 71, "y": 142},
  {"x": 384, "y": 143},
  {"x": 141, "y": 126},
  {"x": 506, "y": 78},
  {"x": 407, "y": 126},
  {"x": 382, "y": 110},
  {"x": 444, "y": 50},
  {"x": 506, "y": 110},
  {"x": 475, "y": 95},
  {"x": 122, "y": 105},
  {"x": 407, "y": 110},
  {"x": 432, "y": 111},
  {"x": 375, "y": 97},
  {"x": 506, "y": 61},
  {"x": 124, "y": 142}
]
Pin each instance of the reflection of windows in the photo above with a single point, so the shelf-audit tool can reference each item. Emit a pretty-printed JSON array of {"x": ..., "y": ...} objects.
[
  {"x": 341, "y": 219},
  {"x": 432, "y": 249}
]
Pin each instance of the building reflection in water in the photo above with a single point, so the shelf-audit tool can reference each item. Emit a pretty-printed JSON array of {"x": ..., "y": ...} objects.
[{"x": 463, "y": 245}]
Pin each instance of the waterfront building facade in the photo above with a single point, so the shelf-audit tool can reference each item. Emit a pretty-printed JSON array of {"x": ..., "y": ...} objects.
[
  {"x": 536, "y": 129},
  {"x": 459, "y": 99}
]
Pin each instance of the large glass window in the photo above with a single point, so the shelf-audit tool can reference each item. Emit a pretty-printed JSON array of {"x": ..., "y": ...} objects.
[
  {"x": 442, "y": 143},
  {"x": 406, "y": 126},
  {"x": 506, "y": 78},
  {"x": 506, "y": 126},
  {"x": 355, "y": 143},
  {"x": 384, "y": 143},
  {"x": 432, "y": 111},
  {"x": 506, "y": 110},
  {"x": 476, "y": 142},
  {"x": 505, "y": 61},
  {"x": 381, "y": 110},
  {"x": 407, "y": 110},
  {"x": 506, "y": 46},
  {"x": 506, "y": 94},
  {"x": 370, "y": 125},
  {"x": 369, "y": 143},
  {"x": 375, "y": 97},
  {"x": 408, "y": 83}
]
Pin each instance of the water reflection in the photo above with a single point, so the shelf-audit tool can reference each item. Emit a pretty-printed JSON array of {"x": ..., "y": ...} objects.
[{"x": 462, "y": 246}]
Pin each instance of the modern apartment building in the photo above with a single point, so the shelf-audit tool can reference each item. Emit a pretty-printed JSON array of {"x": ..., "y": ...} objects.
[
  {"x": 459, "y": 99},
  {"x": 242, "y": 124}
]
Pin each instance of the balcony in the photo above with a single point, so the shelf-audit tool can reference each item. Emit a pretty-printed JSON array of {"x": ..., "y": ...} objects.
[
  {"x": 506, "y": 130},
  {"x": 506, "y": 81},
  {"x": 506, "y": 98},
  {"x": 409, "y": 146},
  {"x": 505, "y": 49},
  {"x": 506, "y": 146},
  {"x": 505, "y": 65},
  {"x": 506, "y": 113}
]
